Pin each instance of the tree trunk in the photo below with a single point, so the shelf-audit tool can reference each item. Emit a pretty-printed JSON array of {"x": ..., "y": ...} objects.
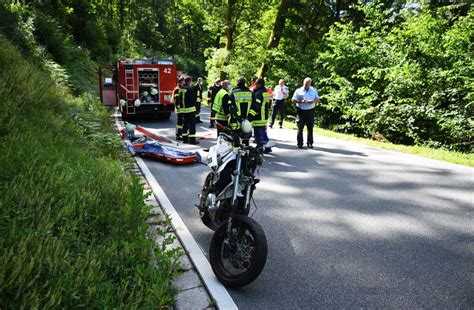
[
  {"x": 275, "y": 36},
  {"x": 338, "y": 9},
  {"x": 122, "y": 15},
  {"x": 229, "y": 35},
  {"x": 230, "y": 26}
]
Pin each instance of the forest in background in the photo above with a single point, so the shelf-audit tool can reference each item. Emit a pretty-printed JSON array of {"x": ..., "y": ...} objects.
[{"x": 401, "y": 69}]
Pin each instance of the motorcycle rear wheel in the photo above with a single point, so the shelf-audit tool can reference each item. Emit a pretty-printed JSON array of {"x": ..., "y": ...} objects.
[{"x": 241, "y": 263}]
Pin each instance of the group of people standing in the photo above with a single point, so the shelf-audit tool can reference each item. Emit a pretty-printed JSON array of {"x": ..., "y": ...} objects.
[
  {"x": 304, "y": 99},
  {"x": 254, "y": 102}
]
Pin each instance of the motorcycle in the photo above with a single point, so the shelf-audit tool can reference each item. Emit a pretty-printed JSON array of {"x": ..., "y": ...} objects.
[{"x": 238, "y": 250}]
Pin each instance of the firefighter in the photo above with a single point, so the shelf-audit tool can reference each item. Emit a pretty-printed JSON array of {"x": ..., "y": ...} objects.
[
  {"x": 253, "y": 83},
  {"x": 260, "y": 113},
  {"x": 241, "y": 99},
  {"x": 188, "y": 111},
  {"x": 198, "y": 91},
  {"x": 178, "y": 102},
  {"x": 221, "y": 99},
  {"x": 211, "y": 95}
]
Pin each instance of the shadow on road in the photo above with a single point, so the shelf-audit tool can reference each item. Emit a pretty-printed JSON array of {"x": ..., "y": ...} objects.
[{"x": 339, "y": 151}]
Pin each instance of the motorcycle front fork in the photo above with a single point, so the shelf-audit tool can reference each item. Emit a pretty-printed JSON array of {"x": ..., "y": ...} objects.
[
  {"x": 234, "y": 205},
  {"x": 236, "y": 175}
]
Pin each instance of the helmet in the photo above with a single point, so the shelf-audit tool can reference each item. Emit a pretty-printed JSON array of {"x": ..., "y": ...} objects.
[
  {"x": 246, "y": 127},
  {"x": 154, "y": 91},
  {"x": 129, "y": 127},
  {"x": 145, "y": 93},
  {"x": 137, "y": 103},
  {"x": 122, "y": 102}
]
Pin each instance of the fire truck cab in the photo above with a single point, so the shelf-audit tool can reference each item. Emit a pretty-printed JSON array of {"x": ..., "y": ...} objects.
[{"x": 139, "y": 86}]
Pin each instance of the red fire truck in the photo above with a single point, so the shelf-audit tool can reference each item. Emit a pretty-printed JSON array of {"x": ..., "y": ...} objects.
[{"x": 139, "y": 86}]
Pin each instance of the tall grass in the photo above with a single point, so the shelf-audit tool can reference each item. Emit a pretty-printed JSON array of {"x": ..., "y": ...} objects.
[{"x": 72, "y": 223}]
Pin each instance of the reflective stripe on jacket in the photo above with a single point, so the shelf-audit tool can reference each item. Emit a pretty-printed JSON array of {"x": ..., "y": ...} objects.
[
  {"x": 242, "y": 99},
  {"x": 218, "y": 105},
  {"x": 198, "y": 90},
  {"x": 177, "y": 98},
  {"x": 261, "y": 109},
  {"x": 188, "y": 100}
]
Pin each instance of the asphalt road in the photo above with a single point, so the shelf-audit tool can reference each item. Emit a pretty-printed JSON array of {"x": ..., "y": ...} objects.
[{"x": 348, "y": 226}]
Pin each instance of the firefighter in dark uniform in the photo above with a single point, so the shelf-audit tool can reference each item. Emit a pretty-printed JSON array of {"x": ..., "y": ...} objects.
[
  {"x": 178, "y": 102},
  {"x": 222, "y": 99},
  {"x": 241, "y": 100},
  {"x": 259, "y": 114},
  {"x": 188, "y": 111},
  {"x": 211, "y": 95},
  {"x": 198, "y": 91}
]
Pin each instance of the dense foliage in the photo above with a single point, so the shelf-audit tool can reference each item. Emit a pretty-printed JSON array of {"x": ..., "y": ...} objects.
[
  {"x": 405, "y": 72},
  {"x": 408, "y": 75},
  {"x": 72, "y": 223},
  {"x": 400, "y": 69}
]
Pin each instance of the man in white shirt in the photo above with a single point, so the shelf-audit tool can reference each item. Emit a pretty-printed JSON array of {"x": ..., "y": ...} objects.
[
  {"x": 305, "y": 98},
  {"x": 280, "y": 94}
]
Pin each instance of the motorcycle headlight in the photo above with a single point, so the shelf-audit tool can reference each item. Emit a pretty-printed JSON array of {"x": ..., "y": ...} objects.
[{"x": 246, "y": 127}]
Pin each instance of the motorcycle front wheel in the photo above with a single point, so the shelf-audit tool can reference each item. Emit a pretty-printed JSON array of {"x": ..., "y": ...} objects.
[{"x": 239, "y": 260}]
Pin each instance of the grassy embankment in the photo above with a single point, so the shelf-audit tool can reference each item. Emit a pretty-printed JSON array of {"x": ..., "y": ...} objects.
[{"x": 72, "y": 222}]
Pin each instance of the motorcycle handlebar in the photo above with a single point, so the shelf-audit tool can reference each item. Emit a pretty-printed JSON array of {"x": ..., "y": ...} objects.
[{"x": 230, "y": 133}]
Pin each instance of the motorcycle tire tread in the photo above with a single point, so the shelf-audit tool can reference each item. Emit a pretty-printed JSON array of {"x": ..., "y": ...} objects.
[{"x": 260, "y": 255}]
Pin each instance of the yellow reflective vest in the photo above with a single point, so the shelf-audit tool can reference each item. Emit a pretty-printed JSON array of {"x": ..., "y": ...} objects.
[
  {"x": 242, "y": 98},
  {"x": 217, "y": 106}
]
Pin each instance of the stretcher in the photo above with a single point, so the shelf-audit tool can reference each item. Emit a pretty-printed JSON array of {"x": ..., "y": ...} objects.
[
  {"x": 141, "y": 130},
  {"x": 152, "y": 148}
]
